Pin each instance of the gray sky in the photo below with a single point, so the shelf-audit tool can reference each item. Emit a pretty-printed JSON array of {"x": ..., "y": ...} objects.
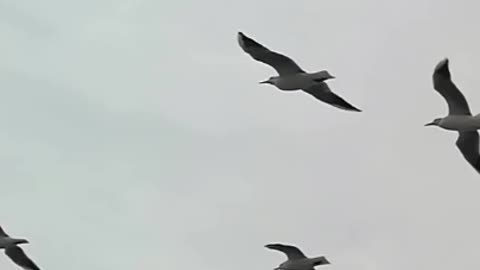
[{"x": 134, "y": 135}]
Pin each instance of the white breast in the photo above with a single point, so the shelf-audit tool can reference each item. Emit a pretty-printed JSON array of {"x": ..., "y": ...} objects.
[{"x": 461, "y": 122}]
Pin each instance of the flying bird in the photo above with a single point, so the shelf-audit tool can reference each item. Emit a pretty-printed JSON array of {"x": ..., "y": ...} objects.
[
  {"x": 296, "y": 260},
  {"x": 459, "y": 117},
  {"x": 14, "y": 252},
  {"x": 291, "y": 76}
]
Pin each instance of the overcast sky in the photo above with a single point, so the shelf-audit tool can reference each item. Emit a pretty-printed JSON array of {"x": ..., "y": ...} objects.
[{"x": 135, "y": 135}]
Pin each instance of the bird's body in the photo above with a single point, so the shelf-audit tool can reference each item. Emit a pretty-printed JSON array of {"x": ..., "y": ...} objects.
[
  {"x": 460, "y": 122},
  {"x": 459, "y": 117},
  {"x": 301, "y": 264},
  {"x": 298, "y": 81},
  {"x": 296, "y": 260},
  {"x": 291, "y": 77},
  {"x": 292, "y": 83}
]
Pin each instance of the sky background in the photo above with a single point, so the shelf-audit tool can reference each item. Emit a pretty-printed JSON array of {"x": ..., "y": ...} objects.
[{"x": 134, "y": 135}]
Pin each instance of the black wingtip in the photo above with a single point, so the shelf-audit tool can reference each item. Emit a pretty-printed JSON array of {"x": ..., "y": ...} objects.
[
  {"x": 348, "y": 107},
  {"x": 354, "y": 109},
  {"x": 442, "y": 68},
  {"x": 247, "y": 41},
  {"x": 273, "y": 245},
  {"x": 242, "y": 36}
]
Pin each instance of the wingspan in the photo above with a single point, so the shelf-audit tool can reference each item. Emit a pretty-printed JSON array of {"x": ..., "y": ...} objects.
[
  {"x": 322, "y": 92},
  {"x": 442, "y": 82},
  {"x": 19, "y": 257},
  {"x": 281, "y": 63}
]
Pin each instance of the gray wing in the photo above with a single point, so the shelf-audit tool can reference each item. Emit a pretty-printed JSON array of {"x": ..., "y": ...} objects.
[
  {"x": 322, "y": 92},
  {"x": 442, "y": 82},
  {"x": 282, "y": 64},
  {"x": 293, "y": 253},
  {"x": 20, "y": 258},
  {"x": 2, "y": 232},
  {"x": 468, "y": 143}
]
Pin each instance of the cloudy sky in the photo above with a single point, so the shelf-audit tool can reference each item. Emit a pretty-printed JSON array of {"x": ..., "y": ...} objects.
[{"x": 134, "y": 134}]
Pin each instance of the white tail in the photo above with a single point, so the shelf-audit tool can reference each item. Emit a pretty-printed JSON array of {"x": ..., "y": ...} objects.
[{"x": 320, "y": 261}]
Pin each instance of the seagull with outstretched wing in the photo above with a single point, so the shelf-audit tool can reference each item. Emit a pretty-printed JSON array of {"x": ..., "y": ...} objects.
[
  {"x": 459, "y": 117},
  {"x": 14, "y": 252},
  {"x": 291, "y": 76}
]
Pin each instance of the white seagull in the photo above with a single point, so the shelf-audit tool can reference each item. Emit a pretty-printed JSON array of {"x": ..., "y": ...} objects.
[
  {"x": 296, "y": 260},
  {"x": 291, "y": 76},
  {"x": 459, "y": 117},
  {"x": 15, "y": 253}
]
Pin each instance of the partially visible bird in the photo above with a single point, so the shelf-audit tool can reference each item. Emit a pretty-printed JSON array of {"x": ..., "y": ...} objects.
[
  {"x": 291, "y": 76},
  {"x": 15, "y": 253},
  {"x": 296, "y": 260},
  {"x": 459, "y": 117}
]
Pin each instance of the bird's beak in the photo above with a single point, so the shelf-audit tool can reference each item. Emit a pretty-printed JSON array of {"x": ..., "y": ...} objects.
[
  {"x": 23, "y": 241},
  {"x": 430, "y": 124},
  {"x": 263, "y": 82}
]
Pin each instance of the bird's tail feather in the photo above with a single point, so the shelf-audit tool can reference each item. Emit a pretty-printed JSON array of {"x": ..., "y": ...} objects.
[
  {"x": 320, "y": 261},
  {"x": 322, "y": 76}
]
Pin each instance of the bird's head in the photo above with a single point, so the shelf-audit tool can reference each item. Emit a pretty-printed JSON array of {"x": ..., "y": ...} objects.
[
  {"x": 435, "y": 122},
  {"x": 270, "y": 80}
]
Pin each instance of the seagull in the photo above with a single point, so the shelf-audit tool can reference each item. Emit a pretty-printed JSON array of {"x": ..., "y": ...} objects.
[
  {"x": 459, "y": 117},
  {"x": 291, "y": 76},
  {"x": 296, "y": 259},
  {"x": 15, "y": 253}
]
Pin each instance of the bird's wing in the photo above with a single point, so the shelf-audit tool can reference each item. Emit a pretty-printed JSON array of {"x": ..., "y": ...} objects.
[
  {"x": 293, "y": 253},
  {"x": 468, "y": 143},
  {"x": 442, "y": 82},
  {"x": 281, "y": 63},
  {"x": 20, "y": 258},
  {"x": 2, "y": 233},
  {"x": 322, "y": 92}
]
